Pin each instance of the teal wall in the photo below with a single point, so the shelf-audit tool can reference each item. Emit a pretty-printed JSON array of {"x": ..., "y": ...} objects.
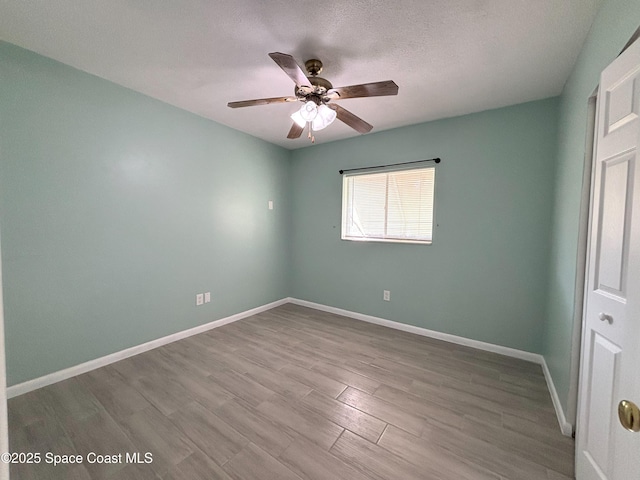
[
  {"x": 484, "y": 276},
  {"x": 613, "y": 26},
  {"x": 116, "y": 209}
]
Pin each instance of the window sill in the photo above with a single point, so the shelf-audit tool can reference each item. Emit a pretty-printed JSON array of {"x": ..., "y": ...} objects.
[{"x": 387, "y": 240}]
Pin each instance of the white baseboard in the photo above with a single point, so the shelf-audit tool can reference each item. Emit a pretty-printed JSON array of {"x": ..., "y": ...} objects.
[
  {"x": 565, "y": 426},
  {"x": 20, "y": 388},
  {"x": 60, "y": 375},
  {"x": 489, "y": 347}
]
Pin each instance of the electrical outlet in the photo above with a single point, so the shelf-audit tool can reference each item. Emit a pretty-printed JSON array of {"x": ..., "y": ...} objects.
[
  {"x": 386, "y": 295},
  {"x": 207, "y": 297},
  {"x": 199, "y": 299},
  {"x": 270, "y": 204}
]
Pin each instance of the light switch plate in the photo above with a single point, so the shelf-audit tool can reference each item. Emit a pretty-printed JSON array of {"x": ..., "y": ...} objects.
[{"x": 207, "y": 297}]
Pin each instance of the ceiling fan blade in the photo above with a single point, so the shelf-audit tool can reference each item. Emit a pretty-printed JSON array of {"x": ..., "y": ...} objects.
[
  {"x": 291, "y": 68},
  {"x": 296, "y": 131},
  {"x": 261, "y": 101},
  {"x": 350, "y": 119},
  {"x": 375, "y": 89}
]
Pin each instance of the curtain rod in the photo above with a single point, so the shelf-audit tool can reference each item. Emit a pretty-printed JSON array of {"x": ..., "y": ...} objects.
[{"x": 437, "y": 160}]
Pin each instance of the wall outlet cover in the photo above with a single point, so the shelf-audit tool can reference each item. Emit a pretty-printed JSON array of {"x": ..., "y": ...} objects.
[
  {"x": 386, "y": 295},
  {"x": 207, "y": 297},
  {"x": 199, "y": 299}
]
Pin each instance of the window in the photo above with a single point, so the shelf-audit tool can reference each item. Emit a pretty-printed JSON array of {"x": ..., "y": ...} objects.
[{"x": 389, "y": 206}]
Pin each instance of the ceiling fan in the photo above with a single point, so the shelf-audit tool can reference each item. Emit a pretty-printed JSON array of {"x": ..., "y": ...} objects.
[{"x": 316, "y": 93}]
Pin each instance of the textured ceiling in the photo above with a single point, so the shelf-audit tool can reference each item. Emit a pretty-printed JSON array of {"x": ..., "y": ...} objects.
[{"x": 449, "y": 57}]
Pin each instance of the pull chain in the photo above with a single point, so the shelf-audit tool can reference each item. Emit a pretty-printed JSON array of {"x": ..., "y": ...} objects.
[{"x": 310, "y": 136}]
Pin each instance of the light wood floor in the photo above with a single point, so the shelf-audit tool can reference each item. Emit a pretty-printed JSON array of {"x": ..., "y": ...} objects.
[{"x": 295, "y": 393}]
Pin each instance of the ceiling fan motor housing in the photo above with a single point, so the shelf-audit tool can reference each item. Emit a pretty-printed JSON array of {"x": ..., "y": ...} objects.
[{"x": 319, "y": 88}]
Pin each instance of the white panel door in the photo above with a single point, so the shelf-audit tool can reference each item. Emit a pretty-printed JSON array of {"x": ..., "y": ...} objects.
[{"x": 610, "y": 366}]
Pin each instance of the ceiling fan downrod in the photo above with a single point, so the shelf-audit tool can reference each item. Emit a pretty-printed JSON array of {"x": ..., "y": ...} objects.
[{"x": 313, "y": 66}]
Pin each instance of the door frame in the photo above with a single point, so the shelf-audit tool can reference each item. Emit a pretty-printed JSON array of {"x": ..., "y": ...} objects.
[
  {"x": 582, "y": 254},
  {"x": 579, "y": 297}
]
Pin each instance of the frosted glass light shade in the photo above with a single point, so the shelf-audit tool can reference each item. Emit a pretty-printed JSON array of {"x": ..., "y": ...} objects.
[
  {"x": 296, "y": 117},
  {"x": 325, "y": 117},
  {"x": 319, "y": 116},
  {"x": 309, "y": 111}
]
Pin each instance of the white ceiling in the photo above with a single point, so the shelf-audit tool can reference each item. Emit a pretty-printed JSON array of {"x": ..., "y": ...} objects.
[{"x": 449, "y": 57}]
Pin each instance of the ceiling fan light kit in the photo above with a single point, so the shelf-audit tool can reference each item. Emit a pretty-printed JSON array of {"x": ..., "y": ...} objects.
[
  {"x": 319, "y": 116},
  {"x": 308, "y": 111},
  {"x": 315, "y": 93},
  {"x": 325, "y": 117}
]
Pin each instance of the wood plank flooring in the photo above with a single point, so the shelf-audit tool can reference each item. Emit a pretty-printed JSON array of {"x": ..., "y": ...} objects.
[{"x": 294, "y": 393}]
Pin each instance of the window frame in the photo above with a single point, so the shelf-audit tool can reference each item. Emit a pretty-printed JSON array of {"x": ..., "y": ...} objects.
[{"x": 373, "y": 171}]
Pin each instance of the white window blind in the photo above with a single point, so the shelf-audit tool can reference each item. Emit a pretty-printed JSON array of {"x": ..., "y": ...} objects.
[{"x": 389, "y": 206}]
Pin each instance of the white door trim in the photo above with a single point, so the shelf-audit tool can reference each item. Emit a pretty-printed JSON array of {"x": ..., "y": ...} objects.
[{"x": 581, "y": 261}]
